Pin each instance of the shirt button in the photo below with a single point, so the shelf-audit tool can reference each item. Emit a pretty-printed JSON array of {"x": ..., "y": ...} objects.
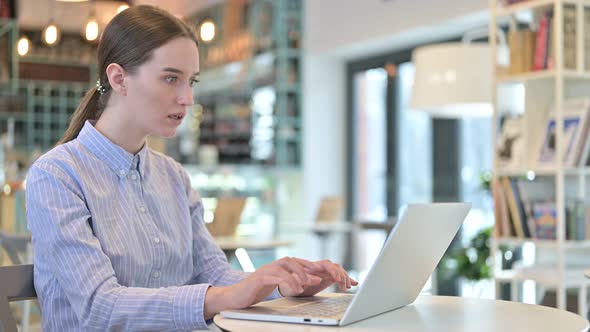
[
  {"x": 133, "y": 177},
  {"x": 156, "y": 275},
  {"x": 142, "y": 209},
  {"x": 122, "y": 172},
  {"x": 157, "y": 240}
]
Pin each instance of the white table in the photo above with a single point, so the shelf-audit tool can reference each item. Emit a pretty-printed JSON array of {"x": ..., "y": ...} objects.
[
  {"x": 231, "y": 243},
  {"x": 440, "y": 313}
]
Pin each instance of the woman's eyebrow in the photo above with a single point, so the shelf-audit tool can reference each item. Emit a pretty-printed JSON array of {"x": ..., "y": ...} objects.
[
  {"x": 173, "y": 70},
  {"x": 178, "y": 71}
]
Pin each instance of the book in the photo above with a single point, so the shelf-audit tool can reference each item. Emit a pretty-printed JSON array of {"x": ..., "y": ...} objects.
[
  {"x": 501, "y": 214},
  {"x": 569, "y": 37},
  {"x": 550, "y": 37},
  {"x": 522, "y": 50},
  {"x": 541, "y": 43},
  {"x": 518, "y": 198},
  {"x": 513, "y": 208},
  {"x": 545, "y": 215},
  {"x": 527, "y": 208},
  {"x": 576, "y": 220}
]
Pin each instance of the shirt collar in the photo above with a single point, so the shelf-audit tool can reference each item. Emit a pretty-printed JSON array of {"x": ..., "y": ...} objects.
[{"x": 118, "y": 159}]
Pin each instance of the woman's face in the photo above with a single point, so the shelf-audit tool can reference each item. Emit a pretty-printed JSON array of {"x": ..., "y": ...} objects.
[{"x": 159, "y": 92}]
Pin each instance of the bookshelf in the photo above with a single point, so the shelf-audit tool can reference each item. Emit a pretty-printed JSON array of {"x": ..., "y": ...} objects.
[
  {"x": 551, "y": 68},
  {"x": 249, "y": 109}
]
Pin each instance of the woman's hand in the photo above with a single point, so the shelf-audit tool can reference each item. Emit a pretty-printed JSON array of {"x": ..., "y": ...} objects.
[
  {"x": 293, "y": 277},
  {"x": 328, "y": 272}
]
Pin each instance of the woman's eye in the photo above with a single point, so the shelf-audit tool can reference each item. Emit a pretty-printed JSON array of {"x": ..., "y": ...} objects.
[
  {"x": 193, "y": 82},
  {"x": 171, "y": 79}
]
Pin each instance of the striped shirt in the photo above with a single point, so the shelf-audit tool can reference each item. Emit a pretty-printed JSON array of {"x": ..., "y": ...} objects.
[{"x": 119, "y": 240}]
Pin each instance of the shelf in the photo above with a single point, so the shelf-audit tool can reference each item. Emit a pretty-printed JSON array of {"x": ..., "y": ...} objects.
[
  {"x": 543, "y": 75},
  {"x": 71, "y": 62},
  {"x": 552, "y": 171},
  {"x": 231, "y": 76},
  {"x": 546, "y": 276},
  {"x": 17, "y": 116},
  {"x": 568, "y": 244},
  {"x": 533, "y": 5}
]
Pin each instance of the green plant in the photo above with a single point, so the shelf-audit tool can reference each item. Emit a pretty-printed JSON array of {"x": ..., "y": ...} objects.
[
  {"x": 485, "y": 180},
  {"x": 471, "y": 262}
]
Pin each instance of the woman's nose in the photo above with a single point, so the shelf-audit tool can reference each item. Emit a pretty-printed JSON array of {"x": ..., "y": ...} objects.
[{"x": 186, "y": 96}]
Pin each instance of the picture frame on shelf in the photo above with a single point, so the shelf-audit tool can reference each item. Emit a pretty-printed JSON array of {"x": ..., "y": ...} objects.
[
  {"x": 575, "y": 130},
  {"x": 510, "y": 150}
]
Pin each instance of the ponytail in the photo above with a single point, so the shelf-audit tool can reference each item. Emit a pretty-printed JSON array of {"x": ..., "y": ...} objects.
[{"x": 89, "y": 109}]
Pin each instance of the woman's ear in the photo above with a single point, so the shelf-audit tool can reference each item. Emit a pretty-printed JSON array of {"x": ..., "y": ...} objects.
[{"x": 116, "y": 76}]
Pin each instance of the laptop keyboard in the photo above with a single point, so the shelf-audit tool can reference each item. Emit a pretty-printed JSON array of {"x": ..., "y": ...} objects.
[{"x": 328, "y": 307}]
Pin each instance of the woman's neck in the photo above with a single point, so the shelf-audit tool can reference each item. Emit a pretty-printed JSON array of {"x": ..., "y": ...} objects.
[{"x": 113, "y": 126}]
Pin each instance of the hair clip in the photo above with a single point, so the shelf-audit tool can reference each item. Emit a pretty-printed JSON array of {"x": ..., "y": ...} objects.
[{"x": 101, "y": 89}]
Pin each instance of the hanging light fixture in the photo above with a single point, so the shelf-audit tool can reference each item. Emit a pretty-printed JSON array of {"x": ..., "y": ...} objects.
[
  {"x": 455, "y": 79},
  {"x": 207, "y": 30},
  {"x": 91, "y": 31},
  {"x": 23, "y": 45},
  {"x": 51, "y": 34},
  {"x": 91, "y": 28}
]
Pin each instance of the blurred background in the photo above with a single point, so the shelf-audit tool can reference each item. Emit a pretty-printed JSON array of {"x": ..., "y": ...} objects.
[{"x": 316, "y": 122}]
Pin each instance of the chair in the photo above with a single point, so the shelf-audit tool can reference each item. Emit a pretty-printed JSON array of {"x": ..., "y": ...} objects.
[
  {"x": 14, "y": 244},
  {"x": 16, "y": 285},
  {"x": 227, "y": 216},
  {"x": 328, "y": 221},
  {"x": 329, "y": 210}
]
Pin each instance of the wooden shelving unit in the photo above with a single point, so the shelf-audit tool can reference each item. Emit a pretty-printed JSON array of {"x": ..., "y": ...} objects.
[
  {"x": 262, "y": 92},
  {"x": 545, "y": 91}
]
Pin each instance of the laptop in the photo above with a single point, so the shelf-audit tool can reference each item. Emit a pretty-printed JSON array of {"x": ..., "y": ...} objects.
[{"x": 409, "y": 256}]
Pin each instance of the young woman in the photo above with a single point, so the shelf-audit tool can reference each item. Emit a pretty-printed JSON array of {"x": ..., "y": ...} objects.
[{"x": 118, "y": 232}]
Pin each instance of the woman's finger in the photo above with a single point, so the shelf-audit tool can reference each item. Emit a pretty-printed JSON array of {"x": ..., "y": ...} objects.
[
  {"x": 284, "y": 276},
  {"x": 293, "y": 266},
  {"x": 328, "y": 267},
  {"x": 343, "y": 276},
  {"x": 307, "y": 264}
]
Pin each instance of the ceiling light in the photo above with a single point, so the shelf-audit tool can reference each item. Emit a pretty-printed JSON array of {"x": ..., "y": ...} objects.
[
  {"x": 51, "y": 34},
  {"x": 91, "y": 31},
  {"x": 207, "y": 31},
  {"x": 23, "y": 46}
]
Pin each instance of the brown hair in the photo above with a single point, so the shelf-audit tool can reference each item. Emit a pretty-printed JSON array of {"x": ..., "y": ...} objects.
[{"x": 128, "y": 40}]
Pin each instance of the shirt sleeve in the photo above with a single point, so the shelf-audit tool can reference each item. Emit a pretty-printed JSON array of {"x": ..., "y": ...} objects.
[
  {"x": 209, "y": 261},
  {"x": 59, "y": 221}
]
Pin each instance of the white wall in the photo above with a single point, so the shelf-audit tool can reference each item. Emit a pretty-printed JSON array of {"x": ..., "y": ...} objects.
[
  {"x": 335, "y": 25},
  {"x": 338, "y": 31}
]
